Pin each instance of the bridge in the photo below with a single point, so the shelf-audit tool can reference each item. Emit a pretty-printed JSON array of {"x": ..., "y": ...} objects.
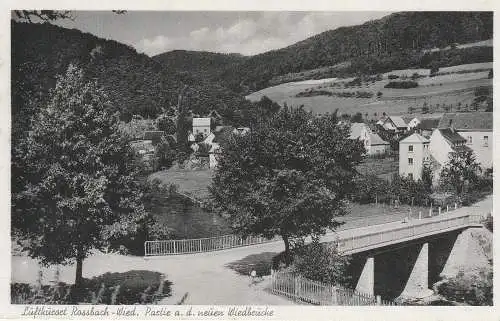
[{"x": 410, "y": 251}]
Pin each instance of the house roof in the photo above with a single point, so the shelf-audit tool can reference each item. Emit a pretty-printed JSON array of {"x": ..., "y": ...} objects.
[
  {"x": 152, "y": 135},
  {"x": 376, "y": 140},
  {"x": 452, "y": 136},
  {"x": 472, "y": 121},
  {"x": 428, "y": 123},
  {"x": 461, "y": 148},
  {"x": 357, "y": 130},
  {"x": 398, "y": 121},
  {"x": 205, "y": 121},
  {"x": 414, "y": 138}
]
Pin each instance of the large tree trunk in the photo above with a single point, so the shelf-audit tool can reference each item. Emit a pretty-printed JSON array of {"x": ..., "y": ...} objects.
[
  {"x": 79, "y": 269},
  {"x": 287, "y": 249}
]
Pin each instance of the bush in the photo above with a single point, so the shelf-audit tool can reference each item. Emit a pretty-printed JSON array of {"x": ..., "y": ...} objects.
[
  {"x": 391, "y": 76},
  {"x": 488, "y": 222},
  {"x": 322, "y": 263},
  {"x": 474, "y": 289},
  {"x": 402, "y": 84},
  {"x": 135, "y": 287},
  {"x": 368, "y": 187}
]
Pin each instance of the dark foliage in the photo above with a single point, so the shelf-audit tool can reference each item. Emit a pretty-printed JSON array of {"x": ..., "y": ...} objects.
[
  {"x": 401, "y": 84},
  {"x": 476, "y": 289},
  {"x": 135, "y": 287}
]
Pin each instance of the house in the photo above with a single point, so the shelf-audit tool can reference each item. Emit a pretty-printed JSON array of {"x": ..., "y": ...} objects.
[
  {"x": 154, "y": 136},
  {"x": 477, "y": 130},
  {"x": 201, "y": 125},
  {"x": 412, "y": 124},
  {"x": 373, "y": 143},
  {"x": 395, "y": 124},
  {"x": 413, "y": 155},
  {"x": 427, "y": 126},
  {"x": 443, "y": 142}
]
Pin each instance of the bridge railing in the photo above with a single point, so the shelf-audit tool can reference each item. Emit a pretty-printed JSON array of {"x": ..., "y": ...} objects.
[
  {"x": 408, "y": 230},
  {"x": 172, "y": 247},
  {"x": 413, "y": 228}
]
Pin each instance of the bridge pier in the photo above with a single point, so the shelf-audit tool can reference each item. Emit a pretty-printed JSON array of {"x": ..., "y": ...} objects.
[
  {"x": 366, "y": 282},
  {"x": 417, "y": 285}
]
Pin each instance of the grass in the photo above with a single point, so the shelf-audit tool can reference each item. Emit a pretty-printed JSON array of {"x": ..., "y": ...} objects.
[{"x": 191, "y": 182}]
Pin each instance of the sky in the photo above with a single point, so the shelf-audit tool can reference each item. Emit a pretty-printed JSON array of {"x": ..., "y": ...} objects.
[{"x": 248, "y": 33}]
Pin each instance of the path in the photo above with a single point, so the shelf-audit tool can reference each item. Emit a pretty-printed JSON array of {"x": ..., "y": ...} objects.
[{"x": 203, "y": 276}]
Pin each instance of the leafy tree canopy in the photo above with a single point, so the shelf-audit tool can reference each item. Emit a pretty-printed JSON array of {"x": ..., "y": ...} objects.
[
  {"x": 73, "y": 182},
  {"x": 461, "y": 171},
  {"x": 288, "y": 177}
]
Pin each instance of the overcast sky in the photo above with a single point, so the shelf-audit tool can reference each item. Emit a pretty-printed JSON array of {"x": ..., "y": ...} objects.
[{"x": 248, "y": 33}]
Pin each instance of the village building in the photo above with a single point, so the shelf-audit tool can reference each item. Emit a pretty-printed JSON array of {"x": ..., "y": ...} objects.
[
  {"x": 154, "y": 136},
  {"x": 374, "y": 145},
  {"x": 477, "y": 130},
  {"x": 412, "y": 124},
  {"x": 395, "y": 124},
  {"x": 413, "y": 156},
  {"x": 201, "y": 125},
  {"x": 427, "y": 126}
]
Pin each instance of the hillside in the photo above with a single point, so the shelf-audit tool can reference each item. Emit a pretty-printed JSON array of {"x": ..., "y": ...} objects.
[
  {"x": 199, "y": 63},
  {"x": 135, "y": 83},
  {"x": 398, "y": 41}
]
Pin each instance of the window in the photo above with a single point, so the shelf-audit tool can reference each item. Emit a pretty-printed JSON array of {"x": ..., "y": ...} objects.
[
  {"x": 410, "y": 148},
  {"x": 469, "y": 140},
  {"x": 485, "y": 141},
  {"x": 410, "y": 176},
  {"x": 410, "y": 161}
]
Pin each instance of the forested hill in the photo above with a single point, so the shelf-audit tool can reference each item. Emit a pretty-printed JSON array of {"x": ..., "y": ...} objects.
[
  {"x": 198, "y": 63},
  {"x": 135, "y": 83},
  {"x": 395, "y": 41}
]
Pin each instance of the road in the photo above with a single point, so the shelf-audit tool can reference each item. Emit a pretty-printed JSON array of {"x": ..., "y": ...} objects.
[{"x": 203, "y": 276}]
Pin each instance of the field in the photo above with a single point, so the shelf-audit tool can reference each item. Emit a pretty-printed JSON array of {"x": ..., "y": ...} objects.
[
  {"x": 191, "y": 182},
  {"x": 451, "y": 86}
]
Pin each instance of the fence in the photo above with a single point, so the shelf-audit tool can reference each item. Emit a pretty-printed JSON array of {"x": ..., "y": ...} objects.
[
  {"x": 302, "y": 289},
  {"x": 169, "y": 247}
]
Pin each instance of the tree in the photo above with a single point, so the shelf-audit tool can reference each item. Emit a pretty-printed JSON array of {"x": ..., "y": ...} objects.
[
  {"x": 73, "y": 178},
  {"x": 425, "y": 108},
  {"x": 287, "y": 177},
  {"x": 357, "y": 118},
  {"x": 461, "y": 171},
  {"x": 164, "y": 153}
]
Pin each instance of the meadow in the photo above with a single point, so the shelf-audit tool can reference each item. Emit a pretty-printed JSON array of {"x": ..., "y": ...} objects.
[{"x": 452, "y": 86}]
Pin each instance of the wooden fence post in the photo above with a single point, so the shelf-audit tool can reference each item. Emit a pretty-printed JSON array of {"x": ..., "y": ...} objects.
[
  {"x": 379, "y": 300},
  {"x": 455, "y": 205},
  {"x": 447, "y": 209},
  {"x": 297, "y": 287},
  {"x": 419, "y": 215},
  {"x": 430, "y": 212},
  {"x": 334, "y": 295},
  {"x": 439, "y": 210}
]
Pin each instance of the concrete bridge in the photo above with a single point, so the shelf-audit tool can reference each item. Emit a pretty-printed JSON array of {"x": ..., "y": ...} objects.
[{"x": 401, "y": 259}]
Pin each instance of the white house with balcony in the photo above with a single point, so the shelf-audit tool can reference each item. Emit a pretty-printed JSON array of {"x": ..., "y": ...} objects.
[{"x": 413, "y": 155}]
